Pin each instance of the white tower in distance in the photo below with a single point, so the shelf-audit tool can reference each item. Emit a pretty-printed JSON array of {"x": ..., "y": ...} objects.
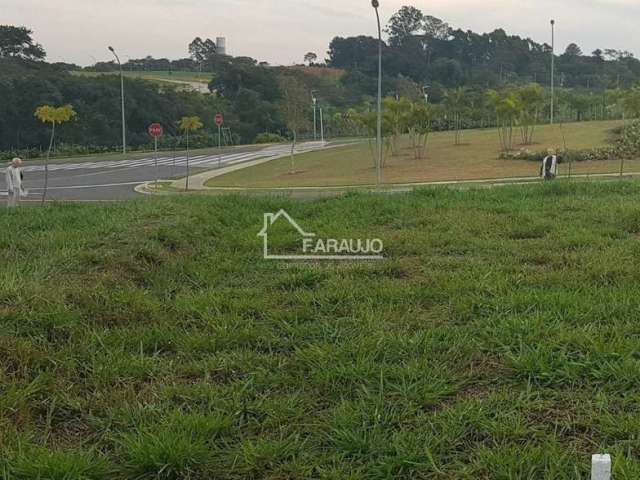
[{"x": 221, "y": 44}]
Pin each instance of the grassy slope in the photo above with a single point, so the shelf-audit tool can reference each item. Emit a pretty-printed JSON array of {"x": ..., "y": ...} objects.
[
  {"x": 158, "y": 76},
  {"x": 477, "y": 158},
  {"x": 498, "y": 341}
]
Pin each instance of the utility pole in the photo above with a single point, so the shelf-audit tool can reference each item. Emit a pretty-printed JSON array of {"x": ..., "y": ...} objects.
[{"x": 376, "y": 4}]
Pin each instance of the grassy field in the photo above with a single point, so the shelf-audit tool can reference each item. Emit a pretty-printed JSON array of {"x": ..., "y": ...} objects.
[
  {"x": 498, "y": 340},
  {"x": 477, "y": 158},
  {"x": 160, "y": 77}
]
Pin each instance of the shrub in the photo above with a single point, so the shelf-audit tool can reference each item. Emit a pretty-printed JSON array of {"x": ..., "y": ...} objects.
[
  {"x": 626, "y": 145},
  {"x": 269, "y": 138}
]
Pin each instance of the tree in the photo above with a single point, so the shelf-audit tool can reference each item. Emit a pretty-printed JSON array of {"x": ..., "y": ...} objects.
[
  {"x": 188, "y": 125},
  {"x": 396, "y": 117},
  {"x": 631, "y": 103},
  {"x": 295, "y": 106},
  {"x": 202, "y": 50},
  {"x": 456, "y": 104},
  {"x": 573, "y": 50},
  {"x": 54, "y": 116},
  {"x": 405, "y": 23},
  {"x": 419, "y": 128},
  {"x": 17, "y": 42},
  {"x": 532, "y": 100},
  {"x": 507, "y": 107},
  {"x": 436, "y": 29},
  {"x": 357, "y": 53},
  {"x": 310, "y": 58}
]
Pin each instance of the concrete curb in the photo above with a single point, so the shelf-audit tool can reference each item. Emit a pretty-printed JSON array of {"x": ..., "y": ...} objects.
[
  {"x": 387, "y": 188},
  {"x": 197, "y": 182}
]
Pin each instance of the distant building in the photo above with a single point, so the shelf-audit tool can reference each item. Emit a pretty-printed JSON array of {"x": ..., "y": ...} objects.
[{"x": 221, "y": 44}]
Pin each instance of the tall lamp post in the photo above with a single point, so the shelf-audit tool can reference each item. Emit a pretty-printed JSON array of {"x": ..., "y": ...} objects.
[
  {"x": 124, "y": 128},
  {"x": 376, "y": 4},
  {"x": 553, "y": 69},
  {"x": 425, "y": 92},
  {"x": 314, "y": 100}
]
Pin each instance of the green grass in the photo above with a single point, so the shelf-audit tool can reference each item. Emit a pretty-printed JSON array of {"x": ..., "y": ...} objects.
[
  {"x": 476, "y": 158},
  {"x": 158, "y": 76},
  {"x": 149, "y": 340}
]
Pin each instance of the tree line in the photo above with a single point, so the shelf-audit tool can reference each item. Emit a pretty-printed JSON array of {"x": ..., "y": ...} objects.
[{"x": 431, "y": 52}]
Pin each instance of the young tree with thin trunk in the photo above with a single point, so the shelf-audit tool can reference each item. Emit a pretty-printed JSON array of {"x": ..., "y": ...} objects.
[
  {"x": 420, "y": 128},
  {"x": 295, "y": 108},
  {"x": 54, "y": 116},
  {"x": 508, "y": 108},
  {"x": 456, "y": 103},
  {"x": 396, "y": 116},
  {"x": 188, "y": 125},
  {"x": 532, "y": 100}
]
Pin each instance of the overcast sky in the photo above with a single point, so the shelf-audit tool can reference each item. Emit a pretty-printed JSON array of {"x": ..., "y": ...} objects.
[{"x": 282, "y": 31}]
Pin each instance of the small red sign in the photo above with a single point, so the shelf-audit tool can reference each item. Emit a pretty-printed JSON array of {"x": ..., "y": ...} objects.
[
  {"x": 219, "y": 119},
  {"x": 156, "y": 130}
]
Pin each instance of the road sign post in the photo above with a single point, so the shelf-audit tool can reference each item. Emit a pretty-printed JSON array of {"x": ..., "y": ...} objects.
[
  {"x": 219, "y": 123},
  {"x": 156, "y": 131}
]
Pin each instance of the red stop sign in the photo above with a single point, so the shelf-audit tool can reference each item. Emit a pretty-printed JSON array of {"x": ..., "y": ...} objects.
[
  {"x": 219, "y": 119},
  {"x": 155, "y": 130}
]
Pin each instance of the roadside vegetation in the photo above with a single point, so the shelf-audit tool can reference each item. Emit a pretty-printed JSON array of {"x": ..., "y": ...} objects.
[{"x": 149, "y": 340}]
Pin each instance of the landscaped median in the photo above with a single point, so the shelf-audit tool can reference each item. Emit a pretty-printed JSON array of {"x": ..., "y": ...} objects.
[
  {"x": 150, "y": 339},
  {"x": 476, "y": 158}
]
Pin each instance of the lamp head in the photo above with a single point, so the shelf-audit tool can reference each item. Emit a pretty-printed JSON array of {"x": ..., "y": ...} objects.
[
  {"x": 375, "y": 3},
  {"x": 111, "y": 49},
  {"x": 553, "y": 22}
]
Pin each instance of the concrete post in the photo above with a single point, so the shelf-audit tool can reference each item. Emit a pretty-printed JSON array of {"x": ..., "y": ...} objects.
[{"x": 601, "y": 467}]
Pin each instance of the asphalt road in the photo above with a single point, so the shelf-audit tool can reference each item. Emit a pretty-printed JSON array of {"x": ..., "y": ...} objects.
[{"x": 117, "y": 179}]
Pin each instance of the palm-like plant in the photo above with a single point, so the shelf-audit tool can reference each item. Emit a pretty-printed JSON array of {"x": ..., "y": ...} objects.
[
  {"x": 508, "y": 108},
  {"x": 419, "y": 128},
  {"x": 532, "y": 100},
  {"x": 456, "y": 102},
  {"x": 396, "y": 116},
  {"x": 188, "y": 125},
  {"x": 54, "y": 116}
]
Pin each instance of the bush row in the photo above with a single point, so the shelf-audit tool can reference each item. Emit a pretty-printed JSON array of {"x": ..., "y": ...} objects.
[{"x": 625, "y": 146}]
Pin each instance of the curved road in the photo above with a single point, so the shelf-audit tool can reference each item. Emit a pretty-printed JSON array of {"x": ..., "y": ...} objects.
[{"x": 117, "y": 179}]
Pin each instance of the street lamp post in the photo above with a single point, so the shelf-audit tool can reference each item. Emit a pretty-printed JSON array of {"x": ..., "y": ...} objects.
[
  {"x": 553, "y": 69},
  {"x": 376, "y": 4},
  {"x": 124, "y": 128},
  {"x": 425, "y": 92},
  {"x": 314, "y": 100}
]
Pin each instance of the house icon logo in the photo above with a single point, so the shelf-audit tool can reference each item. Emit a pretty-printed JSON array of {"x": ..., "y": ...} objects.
[{"x": 310, "y": 247}]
